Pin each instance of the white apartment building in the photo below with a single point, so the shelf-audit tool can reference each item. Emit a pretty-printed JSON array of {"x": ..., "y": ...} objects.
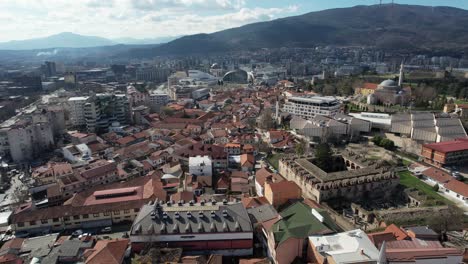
[
  {"x": 309, "y": 106},
  {"x": 23, "y": 140},
  {"x": 76, "y": 107}
]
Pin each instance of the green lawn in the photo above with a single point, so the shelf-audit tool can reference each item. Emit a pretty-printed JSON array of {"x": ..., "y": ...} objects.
[
  {"x": 273, "y": 159},
  {"x": 410, "y": 181},
  {"x": 458, "y": 101},
  {"x": 406, "y": 162}
]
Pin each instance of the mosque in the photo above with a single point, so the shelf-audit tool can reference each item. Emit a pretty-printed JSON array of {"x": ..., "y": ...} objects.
[{"x": 390, "y": 92}]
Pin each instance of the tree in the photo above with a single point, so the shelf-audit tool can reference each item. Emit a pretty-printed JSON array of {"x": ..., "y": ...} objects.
[
  {"x": 447, "y": 220},
  {"x": 377, "y": 140},
  {"x": 323, "y": 156},
  {"x": 266, "y": 120},
  {"x": 301, "y": 147},
  {"x": 387, "y": 144},
  {"x": 167, "y": 111},
  {"x": 435, "y": 188}
]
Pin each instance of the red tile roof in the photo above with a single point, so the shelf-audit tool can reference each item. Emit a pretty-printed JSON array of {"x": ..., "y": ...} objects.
[
  {"x": 448, "y": 146},
  {"x": 108, "y": 251},
  {"x": 247, "y": 160},
  {"x": 437, "y": 175},
  {"x": 370, "y": 86},
  {"x": 458, "y": 187},
  {"x": 250, "y": 202},
  {"x": 283, "y": 185},
  {"x": 397, "y": 232}
]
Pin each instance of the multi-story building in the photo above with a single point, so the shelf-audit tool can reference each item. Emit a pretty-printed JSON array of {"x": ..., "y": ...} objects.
[
  {"x": 76, "y": 109},
  {"x": 102, "y": 110},
  {"x": 310, "y": 106},
  {"x": 200, "y": 228},
  {"x": 323, "y": 127},
  {"x": 95, "y": 207},
  {"x": 446, "y": 153},
  {"x": 157, "y": 100},
  {"x": 24, "y": 138},
  {"x": 152, "y": 74}
]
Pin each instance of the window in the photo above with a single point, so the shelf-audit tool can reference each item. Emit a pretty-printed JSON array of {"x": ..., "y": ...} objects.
[
  {"x": 96, "y": 215},
  {"x": 66, "y": 218},
  {"x": 20, "y": 224},
  {"x": 32, "y": 223},
  {"x": 136, "y": 210},
  {"x": 126, "y": 211},
  {"x": 55, "y": 220},
  {"x": 106, "y": 213},
  {"x": 76, "y": 217},
  {"x": 116, "y": 212},
  {"x": 44, "y": 221},
  {"x": 86, "y": 216}
]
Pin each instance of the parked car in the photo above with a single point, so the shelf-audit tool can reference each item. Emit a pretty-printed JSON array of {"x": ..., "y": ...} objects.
[
  {"x": 78, "y": 232},
  {"x": 106, "y": 229}
]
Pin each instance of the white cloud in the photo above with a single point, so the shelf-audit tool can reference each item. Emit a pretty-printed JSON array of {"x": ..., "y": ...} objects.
[{"x": 130, "y": 18}]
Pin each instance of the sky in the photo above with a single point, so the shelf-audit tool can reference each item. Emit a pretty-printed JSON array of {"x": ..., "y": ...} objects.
[{"x": 25, "y": 19}]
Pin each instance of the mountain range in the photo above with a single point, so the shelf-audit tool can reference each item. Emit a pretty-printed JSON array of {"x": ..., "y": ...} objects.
[
  {"x": 389, "y": 27},
  {"x": 72, "y": 40}
]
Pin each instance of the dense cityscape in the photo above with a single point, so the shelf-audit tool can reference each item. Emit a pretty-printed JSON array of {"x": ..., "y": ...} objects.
[{"x": 297, "y": 154}]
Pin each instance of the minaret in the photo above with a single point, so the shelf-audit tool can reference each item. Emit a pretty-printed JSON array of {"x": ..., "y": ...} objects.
[
  {"x": 400, "y": 80},
  {"x": 277, "y": 110}
]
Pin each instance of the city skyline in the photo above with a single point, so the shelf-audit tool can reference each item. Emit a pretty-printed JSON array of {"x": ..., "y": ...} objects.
[{"x": 156, "y": 18}]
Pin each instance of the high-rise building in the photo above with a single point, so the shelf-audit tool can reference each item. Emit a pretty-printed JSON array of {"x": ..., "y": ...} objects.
[
  {"x": 102, "y": 110},
  {"x": 76, "y": 111},
  {"x": 49, "y": 69}
]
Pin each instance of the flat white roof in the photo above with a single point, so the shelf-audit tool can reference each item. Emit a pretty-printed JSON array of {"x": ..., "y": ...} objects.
[
  {"x": 347, "y": 247},
  {"x": 78, "y": 98}
]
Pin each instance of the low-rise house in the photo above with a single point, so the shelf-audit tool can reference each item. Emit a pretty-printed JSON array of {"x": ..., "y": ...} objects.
[
  {"x": 287, "y": 236},
  {"x": 247, "y": 162},
  {"x": 80, "y": 153},
  {"x": 263, "y": 176},
  {"x": 107, "y": 251},
  {"x": 201, "y": 168},
  {"x": 436, "y": 176},
  {"x": 279, "y": 193},
  {"x": 413, "y": 245},
  {"x": 457, "y": 190}
]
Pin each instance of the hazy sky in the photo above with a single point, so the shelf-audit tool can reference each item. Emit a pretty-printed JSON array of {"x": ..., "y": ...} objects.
[{"x": 23, "y": 19}]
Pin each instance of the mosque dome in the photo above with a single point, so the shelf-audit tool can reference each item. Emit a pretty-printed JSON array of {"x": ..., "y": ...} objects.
[{"x": 388, "y": 85}]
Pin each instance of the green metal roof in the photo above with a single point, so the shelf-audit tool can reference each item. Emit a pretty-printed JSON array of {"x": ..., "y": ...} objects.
[{"x": 298, "y": 222}]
